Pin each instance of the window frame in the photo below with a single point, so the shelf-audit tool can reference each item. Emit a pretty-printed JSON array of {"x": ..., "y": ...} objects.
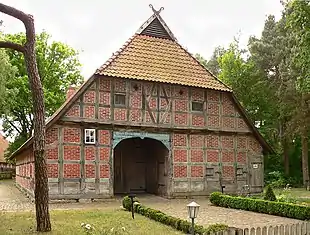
[
  {"x": 89, "y": 135},
  {"x": 210, "y": 171},
  {"x": 119, "y": 104},
  {"x": 197, "y": 102}
]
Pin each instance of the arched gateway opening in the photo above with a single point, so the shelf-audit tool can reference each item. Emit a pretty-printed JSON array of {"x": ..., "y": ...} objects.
[{"x": 140, "y": 166}]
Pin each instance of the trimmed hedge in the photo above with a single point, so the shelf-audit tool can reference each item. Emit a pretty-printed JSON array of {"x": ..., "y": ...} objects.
[
  {"x": 6, "y": 175},
  {"x": 179, "y": 224},
  {"x": 262, "y": 206}
]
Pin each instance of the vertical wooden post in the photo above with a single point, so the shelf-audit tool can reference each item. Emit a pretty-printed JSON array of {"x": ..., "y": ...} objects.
[
  {"x": 61, "y": 160},
  {"x": 246, "y": 231}
]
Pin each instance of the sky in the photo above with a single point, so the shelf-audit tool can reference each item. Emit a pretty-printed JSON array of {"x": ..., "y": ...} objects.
[{"x": 97, "y": 28}]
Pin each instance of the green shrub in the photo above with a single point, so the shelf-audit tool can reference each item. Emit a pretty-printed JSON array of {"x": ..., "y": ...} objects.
[
  {"x": 177, "y": 223},
  {"x": 277, "y": 179},
  {"x": 262, "y": 206},
  {"x": 214, "y": 228},
  {"x": 6, "y": 175},
  {"x": 287, "y": 198},
  {"x": 127, "y": 202},
  {"x": 269, "y": 195}
]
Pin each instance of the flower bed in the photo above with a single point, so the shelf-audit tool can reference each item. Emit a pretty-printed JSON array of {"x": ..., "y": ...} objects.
[
  {"x": 177, "y": 223},
  {"x": 262, "y": 206}
]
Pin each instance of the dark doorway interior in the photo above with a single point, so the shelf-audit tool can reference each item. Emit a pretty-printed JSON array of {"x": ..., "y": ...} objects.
[{"x": 140, "y": 166}]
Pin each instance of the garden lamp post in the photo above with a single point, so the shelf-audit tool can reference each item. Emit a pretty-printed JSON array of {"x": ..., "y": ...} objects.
[
  {"x": 132, "y": 196},
  {"x": 193, "y": 209}
]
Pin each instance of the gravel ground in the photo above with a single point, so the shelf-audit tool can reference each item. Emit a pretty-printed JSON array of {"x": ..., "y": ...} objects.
[{"x": 11, "y": 199}]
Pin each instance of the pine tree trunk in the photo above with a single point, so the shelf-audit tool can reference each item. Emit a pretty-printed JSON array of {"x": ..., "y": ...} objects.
[
  {"x": 41, "y": 180},
  {"x": 305, "y": 159},
  {"x": 304, "y": 142},
  {"x": 285, "y": 147},
  {"x": 286, "y": 159}
]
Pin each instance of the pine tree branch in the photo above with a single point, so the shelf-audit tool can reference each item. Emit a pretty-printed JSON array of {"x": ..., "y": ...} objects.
[
  {"x": 27, "y": 19},
  {"x": 11, "y": 11},
  {"x": 13, "y": 125},
  {"x": 12, "y": 45}
]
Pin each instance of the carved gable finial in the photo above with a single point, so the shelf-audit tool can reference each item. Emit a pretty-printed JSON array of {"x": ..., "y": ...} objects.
[
  {"x": 155, "y": 11},
  {"x": 155, "y": 26}
]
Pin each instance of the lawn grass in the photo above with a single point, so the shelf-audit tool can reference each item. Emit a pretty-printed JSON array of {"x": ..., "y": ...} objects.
[
  {"x": 300, "y": 194},
  {"x": 69, "y": 222},
  {"x": 295, "y": 192}
]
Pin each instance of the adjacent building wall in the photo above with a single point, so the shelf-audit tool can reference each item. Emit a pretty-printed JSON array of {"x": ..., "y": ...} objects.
[
  {"x": 4, "y": 144},
  {"x": 25, "y": 171}
]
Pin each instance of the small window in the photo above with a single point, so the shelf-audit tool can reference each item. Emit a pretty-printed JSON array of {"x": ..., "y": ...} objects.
[
  {"x": 120, "y": 99},
  {"x": 210, "y": 172},
  {"x": 197, "y": 106},
  {"x": 90, "y": 136}
]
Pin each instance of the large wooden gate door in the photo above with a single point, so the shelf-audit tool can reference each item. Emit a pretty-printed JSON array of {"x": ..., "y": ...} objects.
[{"x": 161, "y": 164}]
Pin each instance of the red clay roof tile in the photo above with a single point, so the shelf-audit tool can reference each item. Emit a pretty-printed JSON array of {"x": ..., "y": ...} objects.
[{"x": 159, "y": 60}]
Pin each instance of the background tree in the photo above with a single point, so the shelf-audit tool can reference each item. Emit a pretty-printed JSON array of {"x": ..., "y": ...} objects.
[
  {"x": 212, "y": 65},
  {"x": 7, "y": 72},
  {"x": 58, "y": 67},
  {"x": 270, "y": 53},
  {"x": 297, "y": 15},
  {"x": 28, "y": 49}
]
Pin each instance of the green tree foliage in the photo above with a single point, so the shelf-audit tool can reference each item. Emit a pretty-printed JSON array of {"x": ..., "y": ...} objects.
[
  {"x": 297, "y": 15},
  {"x": 7, "y": 71},
  {"x": 212, "y": 65},
  {"x": 269, "y": 194},
  {"x": 270, "y": 53},
  {"x": 59, "y": 68}
]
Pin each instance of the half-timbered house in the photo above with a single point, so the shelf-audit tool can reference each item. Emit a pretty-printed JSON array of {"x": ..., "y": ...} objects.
[{"x": 151, "y": 119}]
